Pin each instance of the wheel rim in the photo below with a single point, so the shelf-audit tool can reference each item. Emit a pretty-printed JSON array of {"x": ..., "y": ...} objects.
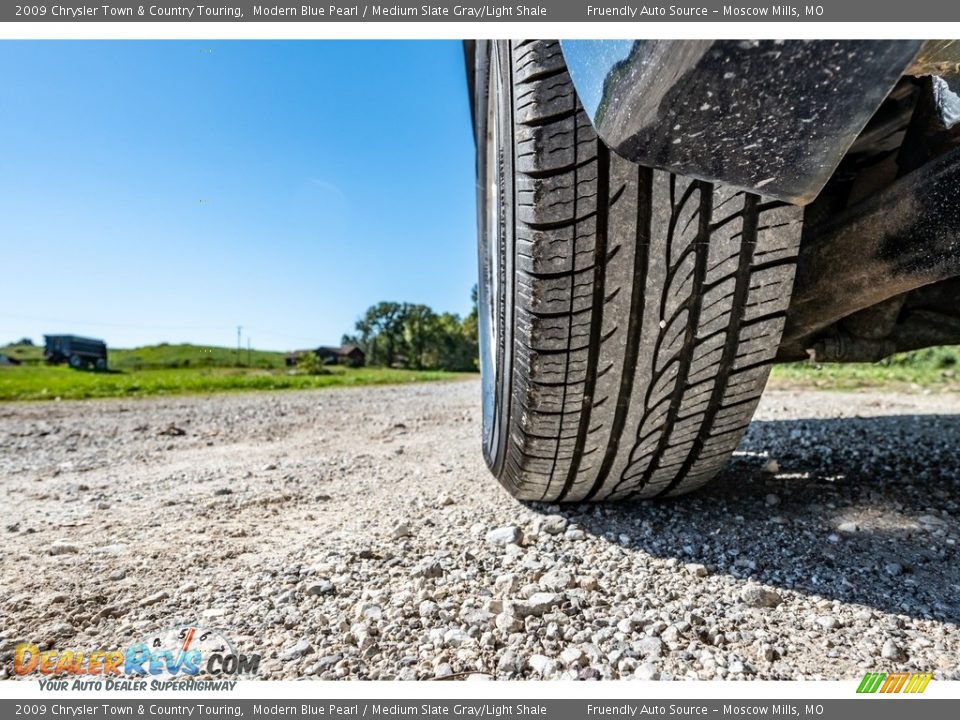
[{"x": 490, "y": 329}]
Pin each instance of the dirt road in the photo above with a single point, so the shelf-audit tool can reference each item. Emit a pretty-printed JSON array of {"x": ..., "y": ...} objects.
[{"x": 356, "y": 533}]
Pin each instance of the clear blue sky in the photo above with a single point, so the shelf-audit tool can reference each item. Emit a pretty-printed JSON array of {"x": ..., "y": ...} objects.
[{"x": 170, "y": 191}]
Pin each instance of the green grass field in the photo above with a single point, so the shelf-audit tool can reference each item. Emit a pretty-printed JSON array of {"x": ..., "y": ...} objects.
[
  {"x": 26, "y": 353},
  {"x": 167, "y": 356},
  {"x": 49, "y": 383},
  {"x": 181, "y": 369},
  {"x": 184, "y": 369},
  {"x": 933, "y": 369}
]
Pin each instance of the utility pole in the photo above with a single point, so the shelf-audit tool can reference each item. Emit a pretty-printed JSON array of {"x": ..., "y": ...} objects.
[{"x": 239, "y": 328}]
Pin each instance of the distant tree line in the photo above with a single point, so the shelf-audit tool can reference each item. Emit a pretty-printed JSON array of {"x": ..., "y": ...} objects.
[{"x": 412, "y": 336}]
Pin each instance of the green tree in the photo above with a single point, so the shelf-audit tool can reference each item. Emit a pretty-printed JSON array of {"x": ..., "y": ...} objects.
[
  {"x": 420, "y": 334},
  {"x": 309, "y": 364},
  {"x": 458, "y": 347},
  {"x": 413, "y": 336},
  {"x": 381, "y": 333}
]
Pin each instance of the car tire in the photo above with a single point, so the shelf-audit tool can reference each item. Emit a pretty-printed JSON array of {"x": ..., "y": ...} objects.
[
  {"x": 628, "y": 316},
  {"x": 76, "y": 362}
]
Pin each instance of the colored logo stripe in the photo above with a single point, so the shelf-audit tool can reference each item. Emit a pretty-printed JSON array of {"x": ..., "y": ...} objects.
[
  {"x": 894, "y": 682},
  {"x": 870, "y": 683},
  {"x": 921, "y": 682}
]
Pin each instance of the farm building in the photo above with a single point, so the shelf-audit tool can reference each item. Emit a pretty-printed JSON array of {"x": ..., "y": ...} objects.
[{"x": 349, "y": 355}]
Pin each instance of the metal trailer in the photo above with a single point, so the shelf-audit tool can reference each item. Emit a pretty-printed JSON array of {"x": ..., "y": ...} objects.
[{"x": 79, "y": 352}]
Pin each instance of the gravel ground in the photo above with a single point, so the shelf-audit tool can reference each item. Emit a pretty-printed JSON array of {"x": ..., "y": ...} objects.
[{"x": 356, "y": 534}]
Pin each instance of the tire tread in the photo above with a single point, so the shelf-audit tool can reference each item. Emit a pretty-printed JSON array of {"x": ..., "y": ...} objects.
[{"x": 648, "y": 307}]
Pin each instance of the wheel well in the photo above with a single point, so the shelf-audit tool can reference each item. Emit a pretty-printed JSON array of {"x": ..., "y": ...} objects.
[{"x": 879, "y": 262}]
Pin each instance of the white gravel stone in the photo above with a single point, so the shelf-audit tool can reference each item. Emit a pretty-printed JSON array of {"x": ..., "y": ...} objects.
[
  {"x": 502, "y": 536},
  {"x": 509, "y": 662},
  {"x": 670, "y": 635},
  {"x": 573, "y": 656},
  {"x": 650, "y": 648},
  {"x": 493, "y": 606},
  {"x": 508, "y": 622},
  {"x": 543, "y": 666},
  {"x": 428, "y": 569},
  {"x": 454, "y": 637},
  {"x": 319, "y": 587},
  {"x": 646, "y": 671},
  {"x": 557, "y": 580},
  {"x": 541, "y": 602},
  {"x": 429, "y": 609},
  {"x": 758, "y": 596},
  {"x": 63, "y": 547},
  {"x": 506, "y": 584},
  {"x": 400, "y": 530},
  {"x": 553, "y": 524},
  {"x": 155, "y": 598},
  {"x": 297, "y": 651},
  {"x": 892, "y": 650},
  {"x": 589, "y": 583}
]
